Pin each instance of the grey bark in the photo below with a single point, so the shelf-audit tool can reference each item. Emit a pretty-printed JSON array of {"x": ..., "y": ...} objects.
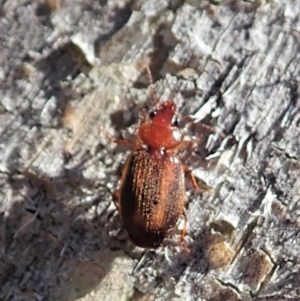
[{"x": 69, "y": 68}]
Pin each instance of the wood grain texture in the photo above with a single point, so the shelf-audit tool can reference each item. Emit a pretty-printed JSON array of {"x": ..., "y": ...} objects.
[{"x": 68, "y": 68}]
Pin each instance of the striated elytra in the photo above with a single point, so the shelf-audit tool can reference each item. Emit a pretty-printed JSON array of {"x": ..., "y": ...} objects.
[{"x": 152, "y": 196}]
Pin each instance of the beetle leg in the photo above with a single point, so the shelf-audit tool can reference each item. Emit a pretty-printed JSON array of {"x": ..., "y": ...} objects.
[
  {"x": 183, "y": 143},
  {"x": 115, "y": 140},
  {"x": 116, "y": 197},
  {"x": 190, "y": 119},
  {"x": 182, "y": 242},
  {"x": 204, "y": 188},
  {"x": 184, "y": 228},
  {"x": 135, "y": 144}
]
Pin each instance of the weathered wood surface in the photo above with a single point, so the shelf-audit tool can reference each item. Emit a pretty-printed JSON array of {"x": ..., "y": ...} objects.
[{"x": 234, "y": 65}]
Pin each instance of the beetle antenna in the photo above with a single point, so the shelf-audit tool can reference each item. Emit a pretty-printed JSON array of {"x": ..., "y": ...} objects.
[{"x": 152, "y": 91}]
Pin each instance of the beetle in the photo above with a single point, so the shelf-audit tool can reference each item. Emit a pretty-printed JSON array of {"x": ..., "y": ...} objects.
[{"x": 151, "y": 196}]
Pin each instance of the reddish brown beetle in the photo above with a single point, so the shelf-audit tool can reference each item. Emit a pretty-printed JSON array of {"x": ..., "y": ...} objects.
[{"x": 151, "y": 197}]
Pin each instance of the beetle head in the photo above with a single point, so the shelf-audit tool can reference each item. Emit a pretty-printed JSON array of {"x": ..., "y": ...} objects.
[{"x": 165, "y": 115}]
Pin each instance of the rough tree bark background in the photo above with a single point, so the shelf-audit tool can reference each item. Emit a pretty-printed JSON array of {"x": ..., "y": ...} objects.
[{"x": 69, "y": 67}]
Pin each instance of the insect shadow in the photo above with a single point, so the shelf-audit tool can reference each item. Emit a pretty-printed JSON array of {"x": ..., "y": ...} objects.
[{"x": 51, "y": 239}]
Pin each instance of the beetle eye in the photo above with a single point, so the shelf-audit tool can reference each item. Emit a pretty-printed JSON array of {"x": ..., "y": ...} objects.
[
  {"x": 176, "y": 122},
  {"x": 152, "y": 114}
]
